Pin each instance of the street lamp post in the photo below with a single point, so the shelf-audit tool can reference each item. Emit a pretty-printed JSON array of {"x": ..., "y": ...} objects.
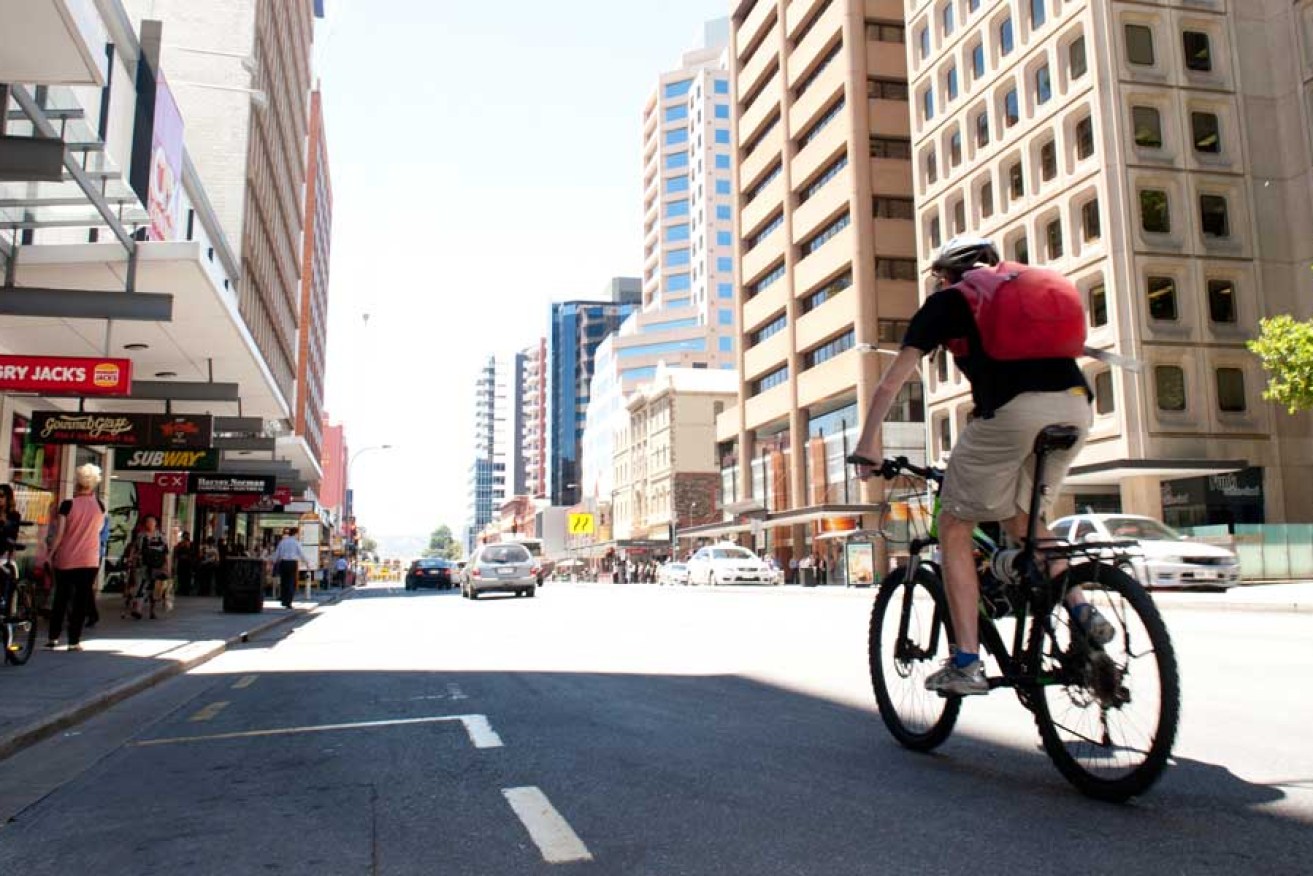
[{"x": 352, "y": 462}]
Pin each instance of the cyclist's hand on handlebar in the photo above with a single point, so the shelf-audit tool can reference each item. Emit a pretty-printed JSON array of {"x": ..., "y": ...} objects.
[{"x": 865, "y": 467}]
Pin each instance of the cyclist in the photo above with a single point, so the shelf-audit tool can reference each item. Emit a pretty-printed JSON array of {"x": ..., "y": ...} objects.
[{"x": 991, "y": 468}]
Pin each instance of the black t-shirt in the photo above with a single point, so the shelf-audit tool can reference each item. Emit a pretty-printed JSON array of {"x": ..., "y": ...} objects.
[{"x": 945, "y": 316}]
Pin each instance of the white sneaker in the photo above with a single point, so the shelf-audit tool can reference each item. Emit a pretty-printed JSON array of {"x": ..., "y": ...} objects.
[{"x": 959, "y": 680}]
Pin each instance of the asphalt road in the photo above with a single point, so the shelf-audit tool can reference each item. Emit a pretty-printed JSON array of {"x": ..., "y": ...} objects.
[{"x": 648, "y": 730}]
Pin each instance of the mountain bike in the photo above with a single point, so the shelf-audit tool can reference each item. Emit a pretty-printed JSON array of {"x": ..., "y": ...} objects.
[
  {"x": 18, "y": 612},
  {"x": 1107, "y": 715}
]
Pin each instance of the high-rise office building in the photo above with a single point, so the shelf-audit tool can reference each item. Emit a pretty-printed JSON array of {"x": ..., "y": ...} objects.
[
  {"x": 577, "y": 329},
  {"x": 1158, "y": 155},
  {"x": 826, "y": 257},
  {"x": 534, "y": 441},
  {"x": 497, "y": 471},
  {"x": 312, "y": 327}
]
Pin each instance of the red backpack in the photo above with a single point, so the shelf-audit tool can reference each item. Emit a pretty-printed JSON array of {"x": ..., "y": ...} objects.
[{"x": 1023, "y": 313}]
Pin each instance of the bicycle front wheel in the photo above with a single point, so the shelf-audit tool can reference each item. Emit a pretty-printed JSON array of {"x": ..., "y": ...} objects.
[
  {"x": 22, "y": 626},
  {"x": 1108, "y": 715},
  {"x": 910, "y": 635}
]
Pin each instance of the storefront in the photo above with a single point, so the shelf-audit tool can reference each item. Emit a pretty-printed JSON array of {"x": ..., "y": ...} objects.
[{"x": 1215, "y": 500}]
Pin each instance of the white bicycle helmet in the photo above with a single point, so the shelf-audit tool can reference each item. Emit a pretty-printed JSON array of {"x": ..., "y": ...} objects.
[{"x": 961, "y": 254}]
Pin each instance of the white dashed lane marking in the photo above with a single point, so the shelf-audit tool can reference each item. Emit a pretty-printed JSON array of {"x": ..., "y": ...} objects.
[
  {"x": 244, "y": 682},
  {"x": 547, "y": 828},
  {"x": 208, "y": 713},
  {"x": 480, "y": 731}
]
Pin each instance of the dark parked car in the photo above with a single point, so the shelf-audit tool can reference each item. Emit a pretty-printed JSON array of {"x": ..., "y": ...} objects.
[{"x": 437, "y": 573}]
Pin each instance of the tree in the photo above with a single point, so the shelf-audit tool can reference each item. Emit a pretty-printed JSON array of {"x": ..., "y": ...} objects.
[
  {"x": 369, "y": 546},
  {"x": 1285, "y": 347},
  {"x": 443, "y": 544}
]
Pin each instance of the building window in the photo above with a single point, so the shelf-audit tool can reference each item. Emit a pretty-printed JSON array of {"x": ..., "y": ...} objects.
[
  {"x": 1085, "y": 138},
  {"x": 886, "y": 89},
  {"x": 1170, "y": 383},
  {"x": 1077, "y": 64},
  {"x": 1155, "y": 216},
  {"x": 770, "y": 381},
  {"x": 888, "y": 147},
  {"x": 824, "y": 120},
  {"x": 941, "y": 366},
  {"x": 955, "y": 149},
  {"x": 1148, "y": 127},
  {"x": 1048, "y": 161},
  {"x": 1021, "y": 250},
  {"x": 826, "y": 176},
  {"x": 1043, "y": 85},
  {"x": 825, "y": 235},
  {"x": 934, "y": 234},
  {"x": 828, "y": 291},
  {"x": 766, "y": 180},
  {"x": 830, "y": 349},
  {"x": 1162, "y": 299},
  {"x": 895, "y": 269},
  {"x": 769, "y": 330},
  {"x": 891, "y": 331},
  {"x": 1037, "y": 14},
  {"x": 982, "y": 130},
  {"x": 1098, "y": 309},
  {"x": 947, "y": 16},
  {"x": 1053, "y": 237},
  {"x": 1103, "y": 398},
  {"x": 1011, "y": 108},
  {"x": 1198, "y": 53},
  {"x": 987, "y": 200},
  {"x": 978, "y": 61},
  {"x": 1221, "y": 301},
  {"x": 755, "y": 240},
  {"x": 1213, "y": 217},
  {"x": 894, "y": 208},
  {"x": 1016, "y": 182},
  {"x": 1204, "y": 131},
  {"x": 959, "y": 217},
  {"x": 931, "y": 167},
  {"x": 1231, "y": 390},
  {"x": 1139, "y": 45},
  {"x": 885, "y": 33},
  {"x": 945, "y": 430},
  {"x": 1091, "y": 228},
  {"x": 1005, "y": 44},
  {"x": 772, "y": 276},
  {"x": 928, "y": 104},
  {"x": 923, "y": 39},
  {"x": 951, "y": 81}
]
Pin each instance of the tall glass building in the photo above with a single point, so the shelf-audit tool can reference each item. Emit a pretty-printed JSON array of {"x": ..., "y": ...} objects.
[
  {"x": 577, "y": 329},
  {"x": 497, "y": 472}
]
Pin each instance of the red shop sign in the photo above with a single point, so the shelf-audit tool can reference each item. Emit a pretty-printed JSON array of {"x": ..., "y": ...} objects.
[
  {"x": 172, "y": 482},
  {"x": 65, "y": 375}
]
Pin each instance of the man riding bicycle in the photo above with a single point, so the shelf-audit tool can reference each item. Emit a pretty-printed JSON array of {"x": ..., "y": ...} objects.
[{"x": 990, "y": 470}]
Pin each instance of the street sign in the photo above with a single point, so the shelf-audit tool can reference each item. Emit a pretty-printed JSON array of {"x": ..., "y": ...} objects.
[{"x": 581, "y": 524}]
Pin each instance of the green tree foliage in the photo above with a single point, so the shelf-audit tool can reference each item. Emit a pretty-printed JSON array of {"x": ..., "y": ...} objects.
[
  {"x": 369, "y": 546},
  {"x": 1285, "y": 347},
  {"x": 443, "y": 544}
]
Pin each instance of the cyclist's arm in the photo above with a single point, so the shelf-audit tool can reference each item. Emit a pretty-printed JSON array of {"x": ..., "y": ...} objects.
[{"x": 903, "y": 367}]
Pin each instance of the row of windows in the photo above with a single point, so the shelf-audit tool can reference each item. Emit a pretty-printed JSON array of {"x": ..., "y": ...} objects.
[
  {"x": 826, "y": 175},
  {"x": 769, "y": 228},
  {"x": 770, "y": 381},
  {"x": 766, "y": 180},
  {"x": 1156, "y": 214},
  {"x": 808, "y": 80},
  {"x": 771, "y": 277},
  {"x": 769, "y": 330},
  {"x": 826, "y": 234},
  {"x": 828, "y": 291},
  {"x": 830, "y": 349},
  {"x": 815, "y": 130}
]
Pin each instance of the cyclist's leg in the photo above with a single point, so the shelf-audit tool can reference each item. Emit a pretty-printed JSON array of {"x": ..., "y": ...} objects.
[{"x": 961, "y": 584}]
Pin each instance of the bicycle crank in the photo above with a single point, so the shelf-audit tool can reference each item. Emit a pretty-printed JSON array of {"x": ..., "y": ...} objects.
[{"x": 1104, "y": 678}]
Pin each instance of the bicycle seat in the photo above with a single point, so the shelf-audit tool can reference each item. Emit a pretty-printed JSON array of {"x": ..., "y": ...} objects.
[{"x": 1053, "y": 438}]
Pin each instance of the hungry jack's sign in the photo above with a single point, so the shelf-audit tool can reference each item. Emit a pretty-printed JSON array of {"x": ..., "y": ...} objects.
[{"x": 65, "y": 375}]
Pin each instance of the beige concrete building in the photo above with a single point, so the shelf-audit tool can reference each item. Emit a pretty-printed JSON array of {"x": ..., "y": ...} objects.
[
  {"x": 1157, "y": 155},
  {"x": 533, "y": 442},
  {"x": 826, "y": 257},
  {"x": 667, "y": 474}
]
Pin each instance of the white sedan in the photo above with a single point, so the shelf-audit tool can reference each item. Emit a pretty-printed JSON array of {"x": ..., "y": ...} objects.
[
  {"x": 672, "y": 573},
  {"x": 728, "y": 563},
  {"x": 1165, "y": 559}
]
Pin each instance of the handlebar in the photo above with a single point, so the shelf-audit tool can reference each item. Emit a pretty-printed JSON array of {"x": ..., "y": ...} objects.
[{"x": 892, "y": 468}]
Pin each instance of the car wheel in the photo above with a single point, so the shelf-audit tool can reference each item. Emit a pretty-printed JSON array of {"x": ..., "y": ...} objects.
[
  {"x": 711, "y": 580},
  {"x": 531, "y": 592},
  {"x": 474, "y": 594}
]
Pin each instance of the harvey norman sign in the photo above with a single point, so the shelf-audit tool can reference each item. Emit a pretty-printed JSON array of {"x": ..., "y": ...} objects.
[
  {"x": 209, "y": 484},
  {"x": 166, "y": 460},
  {"x": 65, "y": 375}
]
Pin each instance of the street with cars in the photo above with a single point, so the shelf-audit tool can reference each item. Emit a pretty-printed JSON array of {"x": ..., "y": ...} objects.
[{"x": 647, "y": 729}]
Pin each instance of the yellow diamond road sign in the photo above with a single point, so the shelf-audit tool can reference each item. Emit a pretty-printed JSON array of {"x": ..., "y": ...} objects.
[{"x": 581, "y": 524}]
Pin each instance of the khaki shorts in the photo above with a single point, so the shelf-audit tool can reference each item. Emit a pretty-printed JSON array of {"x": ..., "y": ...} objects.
[{"x": 992, "y": 466}]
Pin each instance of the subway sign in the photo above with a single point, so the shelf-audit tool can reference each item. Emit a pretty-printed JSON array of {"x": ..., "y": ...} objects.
[{"x": 166, "y": 460}]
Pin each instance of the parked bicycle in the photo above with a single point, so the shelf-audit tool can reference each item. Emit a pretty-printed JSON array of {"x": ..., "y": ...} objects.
[
  {"x": 1107, "y": 715},
  {"x": 18, "y": 610}
]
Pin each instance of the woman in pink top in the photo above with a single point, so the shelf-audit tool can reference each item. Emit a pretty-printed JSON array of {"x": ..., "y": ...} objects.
[{"x": 75, "y": 557}]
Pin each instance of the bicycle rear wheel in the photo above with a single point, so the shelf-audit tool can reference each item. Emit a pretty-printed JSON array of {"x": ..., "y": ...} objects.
[
  {"x": 1108, "y": 715},
  {"x": 22, "y": 626},
  {"x": 910, "y": 635}
]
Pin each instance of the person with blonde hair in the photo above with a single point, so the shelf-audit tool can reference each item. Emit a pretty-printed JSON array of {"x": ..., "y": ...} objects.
[{"x": 75, "y": 557}]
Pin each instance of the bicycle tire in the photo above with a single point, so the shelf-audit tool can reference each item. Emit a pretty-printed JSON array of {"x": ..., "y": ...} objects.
[
  {"x": 20, "y": 651},
  {"x": 1094, "y": 685},
  {"x": 937, "y": 714}
]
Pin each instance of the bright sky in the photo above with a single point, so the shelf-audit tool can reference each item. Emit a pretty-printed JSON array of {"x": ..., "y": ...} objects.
[{"x": 485, "y": 161}]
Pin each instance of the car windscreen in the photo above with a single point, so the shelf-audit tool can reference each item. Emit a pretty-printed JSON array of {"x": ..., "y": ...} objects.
[
  {"x": 1141, "y": 528},
  {"x": 510, "y": 553},
  {"x": 733, "y": 554},
  {"x": 432, "y": 564}
]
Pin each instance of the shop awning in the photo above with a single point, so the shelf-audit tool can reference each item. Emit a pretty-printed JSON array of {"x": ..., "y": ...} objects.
[{"x": 1112, "y": 473}]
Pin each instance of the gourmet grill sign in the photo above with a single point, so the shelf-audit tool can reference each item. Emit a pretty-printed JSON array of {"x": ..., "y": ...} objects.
[
  {"x": 65, "y": 375},
  {"x": 163, "y": 431},
  {"x": 231, "y": 484},
  {"x": 166, "y": 460}
]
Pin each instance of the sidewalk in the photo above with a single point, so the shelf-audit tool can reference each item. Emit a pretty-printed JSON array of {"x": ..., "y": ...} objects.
[{"x": 57, "y": 689}]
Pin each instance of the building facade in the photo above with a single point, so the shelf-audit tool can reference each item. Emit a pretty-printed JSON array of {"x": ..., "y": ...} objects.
[
  {"x": 577, "y": 329},
  {"x": 312, "y": 326},
  {"x": 534, "y": 441},
  {"x": 333, "y": 460},
  {"x": 825, "y": 250},
  {"x": 1159, "y": 156},
  {"x": 497, "y": 438}
]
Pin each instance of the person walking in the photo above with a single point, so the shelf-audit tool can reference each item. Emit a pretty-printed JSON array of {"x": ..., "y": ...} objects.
[
  {"x": 75, "y": 557},
  {"x": 287, "y": 557},
  {"x": 150, "y": 550},
  {"x": 207, "y": 566},
  {"x": 184, "y": 564}
]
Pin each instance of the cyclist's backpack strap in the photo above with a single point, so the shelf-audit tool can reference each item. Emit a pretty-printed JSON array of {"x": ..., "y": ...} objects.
[{"x": 1023, "y": 313}]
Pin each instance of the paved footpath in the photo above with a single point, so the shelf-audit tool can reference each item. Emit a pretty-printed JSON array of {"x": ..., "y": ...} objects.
[{"x": 57, "y": 689}]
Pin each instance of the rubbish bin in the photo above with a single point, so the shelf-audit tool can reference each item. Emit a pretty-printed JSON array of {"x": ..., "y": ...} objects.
[
  {"x": 243, "y": 591},
  {"x": 808, "y": 576}
]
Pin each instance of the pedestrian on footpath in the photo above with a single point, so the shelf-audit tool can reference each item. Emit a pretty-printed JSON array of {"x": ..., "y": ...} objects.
[
  {"x": 150, "y": 550},
  {"x": 287, "y": 559},
  {"x": 184, "y": 564},
  {"x": 75, "y": 557}
]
